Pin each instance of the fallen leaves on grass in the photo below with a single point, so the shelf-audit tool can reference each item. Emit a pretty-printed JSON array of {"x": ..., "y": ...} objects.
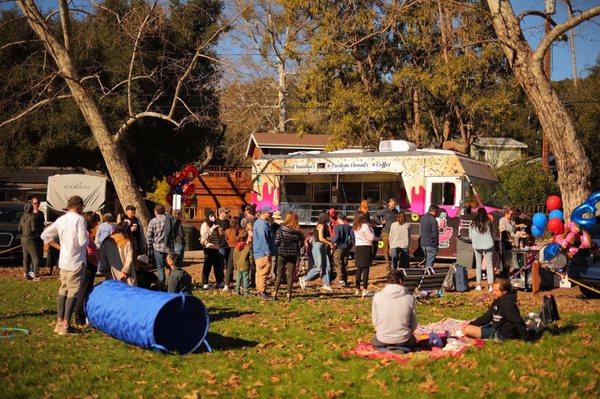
[
  {"x": 429, "y": 385},
  {"x": 332, "y": 394},
  {"x": 275, "y": 378},
  {"x": 326, "y": 377}
]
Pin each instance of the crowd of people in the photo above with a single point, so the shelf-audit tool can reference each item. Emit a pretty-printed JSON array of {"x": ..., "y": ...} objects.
[{"x": 258, "y": 246}]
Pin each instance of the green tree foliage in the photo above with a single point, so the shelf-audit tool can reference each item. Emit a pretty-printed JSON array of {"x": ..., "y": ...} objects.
[
  {"x": 526, "y": 185},
  {"x": 103, "y": 45}
]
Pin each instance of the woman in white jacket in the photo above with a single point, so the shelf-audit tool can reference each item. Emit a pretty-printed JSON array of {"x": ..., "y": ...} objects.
[
  {"x": 363, "y": 239},
  {"x": 482, "y": 240},
  {"x": 399, "y": 240}
]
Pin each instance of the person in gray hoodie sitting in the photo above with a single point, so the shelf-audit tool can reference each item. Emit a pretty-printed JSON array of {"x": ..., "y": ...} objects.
[{"x": 394, "y": 314}]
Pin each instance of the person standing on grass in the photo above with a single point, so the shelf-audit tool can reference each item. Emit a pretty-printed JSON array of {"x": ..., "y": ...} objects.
[
  {"x": 116, "y": 256},
  {"x": 263, "y": 247},
  {"x": 363, "y": 250},
  {"x": 289, "y": 240},
  {"x": 91, "y": 267},
  {"x": 27, "y": 230},
  {"x": 387, "y": 216},
  {"x": 231, "y": 235},
  {"x": 430, "y": 235},
  {"x": 71, "y": 231},
  {"x": 242, "y": 261},
  {"x": 156, "y": 241},
  {"x": 394, "y": 314},
  {"x": 211, "y": 237},
  {"x": 482, "y": 239},
  {"x": 343, "y": 239},
  {"x": 40, "y": 222},
  {"x": 223, "y": 220},
  {"x": 136, "y": 231},
  {"x": 321, "y": 246},
  {"x": 399, "y": 240}
]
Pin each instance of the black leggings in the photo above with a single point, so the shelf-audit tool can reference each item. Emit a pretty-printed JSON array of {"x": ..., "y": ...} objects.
[
  {"x": 362, "y": 256},
  {"x": 87, "y": 285},
  {"x": 288, "y": 263}
]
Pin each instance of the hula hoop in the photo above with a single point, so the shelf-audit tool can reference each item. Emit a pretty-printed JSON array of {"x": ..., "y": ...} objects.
[{"x": 11, "y": 332}]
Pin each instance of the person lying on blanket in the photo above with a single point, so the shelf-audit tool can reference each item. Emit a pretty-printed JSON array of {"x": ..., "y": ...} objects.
[
  {"x": 394, "y": 314},
  {"x": 502, "y": 320}
]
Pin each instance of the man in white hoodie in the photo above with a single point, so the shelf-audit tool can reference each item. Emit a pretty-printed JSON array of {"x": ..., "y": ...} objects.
[{"x": 394, "y": 314}]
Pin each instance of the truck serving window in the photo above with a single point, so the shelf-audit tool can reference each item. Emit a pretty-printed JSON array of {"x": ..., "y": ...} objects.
[{"x": 443, "y": 193}]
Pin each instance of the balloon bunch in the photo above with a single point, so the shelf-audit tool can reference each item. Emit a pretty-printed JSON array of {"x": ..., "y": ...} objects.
[
  {"x": 569, "y": 237},
  {"x": 181, "y": 183}
]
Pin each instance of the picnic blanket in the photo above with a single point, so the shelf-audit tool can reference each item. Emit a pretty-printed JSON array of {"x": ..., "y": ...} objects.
[{"x": 454, "y": 346}]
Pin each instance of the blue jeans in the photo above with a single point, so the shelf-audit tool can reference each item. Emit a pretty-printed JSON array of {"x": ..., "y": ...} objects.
[
  {"x": 159, "y": 258},
  {"x": 399, "y": 258},
  {"x": 322, "y": 267},
  {"x": 485, "y": 257},
  {"x": 178, "y": 248},
  {"x": 430, "y": 254}
]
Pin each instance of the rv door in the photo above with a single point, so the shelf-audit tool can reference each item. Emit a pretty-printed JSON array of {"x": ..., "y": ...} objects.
[{"x": 443, "y": 191}]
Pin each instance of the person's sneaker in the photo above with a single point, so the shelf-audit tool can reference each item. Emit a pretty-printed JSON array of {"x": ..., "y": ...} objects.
[
  {"x": 477, "y": 288},
  {"x": 327, "y": 288},
  {"x": 366, "y": 293},
  {"x": 72, "y": 330},
  {"x": 262, "y": 295},
  {"x": 490, "y": 289},
  {"x": 205, "y": 287},
  {"x": 57, "y": 328},
  {"x": 357, "y": 292},
  {"x": 342, "y": 283},
  {"x": 302, "y": 283},
  {"x": 226, "y": 288},
  {"x": 289, "y": 297},
  {"x": 33, "y": 277},
  {"x": 27, "y": 276},
  {"x": 220, "y": 286}
]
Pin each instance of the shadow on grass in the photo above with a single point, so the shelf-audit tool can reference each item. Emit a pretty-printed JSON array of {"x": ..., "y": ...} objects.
[
  {"x": 220, "y": 342},
  {"x": 555, "y": 330},
  {"x": 217, "y": 314},
  {"x": 44, "y": 312}
]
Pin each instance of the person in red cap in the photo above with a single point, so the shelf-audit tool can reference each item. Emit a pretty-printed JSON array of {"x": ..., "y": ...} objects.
[{"x": 333, "y": 220}]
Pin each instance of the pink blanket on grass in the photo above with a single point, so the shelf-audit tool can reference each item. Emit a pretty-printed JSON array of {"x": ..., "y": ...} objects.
[{"x": 367, "y": 350}]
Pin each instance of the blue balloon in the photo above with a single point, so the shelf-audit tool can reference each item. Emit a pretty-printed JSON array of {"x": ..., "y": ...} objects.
[
  {"x": 556, "y": 214},
  {"x": 540, "y": 221},
  {"x": 587, "y": 208},
  {"x": 536, "y": 232}
]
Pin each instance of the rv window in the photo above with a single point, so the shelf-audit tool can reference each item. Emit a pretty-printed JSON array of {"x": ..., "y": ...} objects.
[
  {"x": 443, "y": 193},
  {"x": 322, "y": 193},
  {"x": 295, "y": 189},
  {"x": 371, "y": 192},
  {"x": 350, "y": 192}
]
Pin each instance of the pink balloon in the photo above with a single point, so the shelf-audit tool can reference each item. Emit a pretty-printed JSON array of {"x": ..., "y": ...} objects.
[
  {"x": 568, "y": 241},
  {"x": 559, "y": 238},
  {"x": 586, "y": 240},
  {"x": 572, "y": 226},
  {"x": 573, "y": 251}
]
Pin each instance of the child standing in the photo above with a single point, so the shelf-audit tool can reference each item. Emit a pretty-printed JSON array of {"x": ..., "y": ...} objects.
[
  {"x": 482, "y": 240},
  {"x": 502, "y": 320},
  {"x": 179, "y": 280},
  {"x": 399, "y": 240},
  {"x": 242, "y": 259}
]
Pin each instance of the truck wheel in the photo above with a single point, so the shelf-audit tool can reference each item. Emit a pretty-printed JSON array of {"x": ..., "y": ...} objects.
[{"x": 588, "y": 293}]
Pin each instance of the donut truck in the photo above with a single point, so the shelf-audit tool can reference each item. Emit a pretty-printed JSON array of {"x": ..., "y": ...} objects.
[{"x": 311, "y": 182}]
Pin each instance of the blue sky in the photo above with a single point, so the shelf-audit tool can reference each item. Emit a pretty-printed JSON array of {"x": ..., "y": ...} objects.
[{"x": 587, "y": 35}]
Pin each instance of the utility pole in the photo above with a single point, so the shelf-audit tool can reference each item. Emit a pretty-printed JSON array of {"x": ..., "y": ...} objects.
[
  {"x": 572, "y": 44},
  {"x": 550, "y": 10}
]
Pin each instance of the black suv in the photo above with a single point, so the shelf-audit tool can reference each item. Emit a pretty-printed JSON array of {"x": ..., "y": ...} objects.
[{"x": 10, "y": 216}]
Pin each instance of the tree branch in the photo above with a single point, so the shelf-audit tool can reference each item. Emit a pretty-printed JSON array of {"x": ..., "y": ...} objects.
[
  {"x": 133, "y": 54},
  {"x": 7, "y": 45},
  {"x": 146, "y": 114},
  {"x": 65, "y": 22},
  {"x": 33, "y": 108},
  {"x": 560, "y": 29},
  {"x": 194, "y": 61}
]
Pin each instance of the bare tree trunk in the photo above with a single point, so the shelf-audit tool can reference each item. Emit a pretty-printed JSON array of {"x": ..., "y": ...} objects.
[
  {"x": 572, "y": 163},
  {"x": 282, "y": 96},
  {"x": 113, "y": 153}
]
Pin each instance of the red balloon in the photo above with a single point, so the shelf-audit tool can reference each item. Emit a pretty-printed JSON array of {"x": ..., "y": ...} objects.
[
  {"x": 553, "y": 202},
  {"x": 556, "y": 226},
  {"x": 188, "y": 202},
  {"x": 189, "y": 189}
]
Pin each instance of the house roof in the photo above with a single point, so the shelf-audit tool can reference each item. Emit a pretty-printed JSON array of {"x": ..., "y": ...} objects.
[
  {"x": 499, "y": 142},
  {"x": 39, "y": 175},
  {"x": 287, "y": 141}
]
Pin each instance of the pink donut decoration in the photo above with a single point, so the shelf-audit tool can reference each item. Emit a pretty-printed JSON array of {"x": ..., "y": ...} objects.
[
  {"x": 586, "y": 240},
  {"x": 559, "y": 238},
  {"x": 572, "y": 251}
]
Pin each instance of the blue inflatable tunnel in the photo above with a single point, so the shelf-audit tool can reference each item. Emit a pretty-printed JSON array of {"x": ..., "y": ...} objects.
[{"x": 155, "y": 320}]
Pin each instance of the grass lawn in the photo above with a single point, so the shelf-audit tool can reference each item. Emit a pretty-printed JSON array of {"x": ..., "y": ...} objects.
[{"x": 280, "y": 350}]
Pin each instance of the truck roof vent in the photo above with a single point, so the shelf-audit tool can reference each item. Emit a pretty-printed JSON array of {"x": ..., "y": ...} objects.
[{"x": 396, "y": 146}]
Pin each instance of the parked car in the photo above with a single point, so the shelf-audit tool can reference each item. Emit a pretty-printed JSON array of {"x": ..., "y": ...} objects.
[
  {"x": 585, "y": 266},
  {"x": 10, "y": 215}
]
